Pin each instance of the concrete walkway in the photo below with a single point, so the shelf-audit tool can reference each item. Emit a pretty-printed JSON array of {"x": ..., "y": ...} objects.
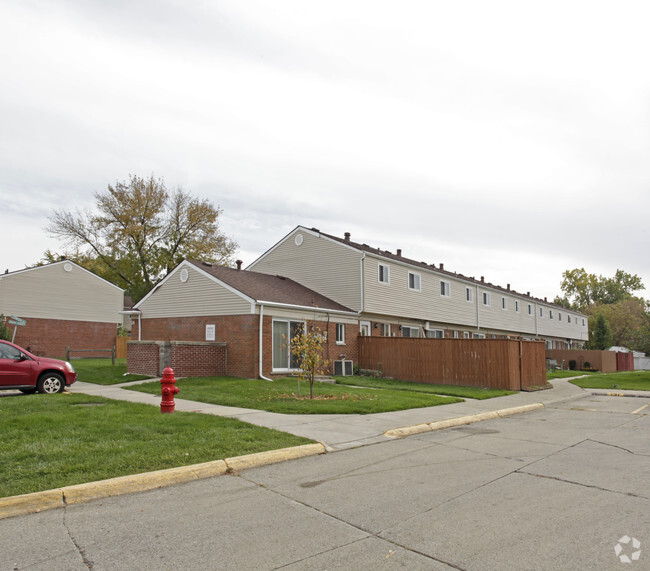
[{"x": 341, "y": 431}]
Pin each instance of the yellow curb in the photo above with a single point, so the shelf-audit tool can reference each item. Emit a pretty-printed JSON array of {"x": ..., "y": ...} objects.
[
  {"x": 407, "y": 430},
  {"x": 520, "y": 409},
  {"x": 68, "y": 495},
  {"x": 459, "y": 421},
  {"x": 273, "y": 456},
  {"x": 30, "y": 503},
  {"x": 141, "y": 482}
]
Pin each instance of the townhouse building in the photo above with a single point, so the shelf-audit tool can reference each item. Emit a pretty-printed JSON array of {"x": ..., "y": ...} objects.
[{"x": 397, "y": 296}]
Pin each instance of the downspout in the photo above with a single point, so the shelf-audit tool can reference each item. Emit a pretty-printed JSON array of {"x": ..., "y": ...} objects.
[
  {"x": 261, "y": 375},
  {"x": 140, "y": 326},
  {"x": 536, "y": 322},
  {"x": 478, "y": 313}
]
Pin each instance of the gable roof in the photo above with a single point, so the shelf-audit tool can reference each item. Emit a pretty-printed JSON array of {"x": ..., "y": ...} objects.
[
  {"x": 63, "y": 262},
  {"x": 268, "y": 288},
  {"x": 397, "y": 257}
]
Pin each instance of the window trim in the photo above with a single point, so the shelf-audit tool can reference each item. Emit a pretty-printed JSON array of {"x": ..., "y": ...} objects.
[
  {"x": 486, "y": 298},
  {"x": 469, "y": 294},
  {"x": 340, "y": 338},
  {"x": 386, "y": 273},
  {"x": 417, "y": 281},
  {"x": 445, "y": 288},
  {"x": 504, "y": 303}
]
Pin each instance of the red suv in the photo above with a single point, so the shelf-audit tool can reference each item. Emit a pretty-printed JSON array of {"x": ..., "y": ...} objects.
[{"x": 21, "y": 370}]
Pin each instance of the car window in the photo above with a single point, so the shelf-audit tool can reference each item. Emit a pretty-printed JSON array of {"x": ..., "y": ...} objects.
[{"x": 8, "y": 352}]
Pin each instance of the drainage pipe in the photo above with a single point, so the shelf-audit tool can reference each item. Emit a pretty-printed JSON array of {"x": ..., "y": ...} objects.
[{"x": 261, "y": 375}]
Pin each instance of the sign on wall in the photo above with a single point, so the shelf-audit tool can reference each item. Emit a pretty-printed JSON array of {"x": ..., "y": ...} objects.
[{"x": 210, "y": 332}]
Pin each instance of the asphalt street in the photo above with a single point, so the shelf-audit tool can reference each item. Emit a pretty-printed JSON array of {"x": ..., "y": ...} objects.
[{"x": 564, "y": 487}]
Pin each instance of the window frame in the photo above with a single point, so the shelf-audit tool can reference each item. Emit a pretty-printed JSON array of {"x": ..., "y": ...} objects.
[
  {"x": 340, "y": 333},
  {"x": 486, "y": 298},
  {"x": 469, "y": 294},
  {"x": 417, "y": 281},
  {"x": 383, "y": 271},
  {"x": 445, "y": 288}
]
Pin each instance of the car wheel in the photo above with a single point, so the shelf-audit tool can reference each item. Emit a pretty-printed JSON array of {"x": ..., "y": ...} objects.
[
  {"x": 51, "y": 383},
  {"x": 28, "y": 391}
]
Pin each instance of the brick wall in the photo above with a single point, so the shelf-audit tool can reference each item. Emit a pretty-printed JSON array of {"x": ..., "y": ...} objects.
[
  {"x": 240, "y": 334},
  {"x": 196, "y": 359},
  {"x": 50, "y": 337},
  {"x": 143, "y": 358}
]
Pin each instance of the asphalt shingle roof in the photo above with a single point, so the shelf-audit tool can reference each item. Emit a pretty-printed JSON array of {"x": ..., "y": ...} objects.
[{"x": 267, "y": 287}]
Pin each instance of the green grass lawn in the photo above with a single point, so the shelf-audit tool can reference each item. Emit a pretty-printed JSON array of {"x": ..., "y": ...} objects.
[
  {"x": 448, "y": 390},
  {"x": 628, "y": 380},
  {"x": 102, "y": 372},
  {"x": 281, "y": 396},
  {"x": 50, "y": 441},
  {"x": 559, "y": 374}
]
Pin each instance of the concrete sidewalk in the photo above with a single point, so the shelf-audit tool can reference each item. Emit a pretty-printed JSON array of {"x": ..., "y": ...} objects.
[{"x": 341, "y": 431}]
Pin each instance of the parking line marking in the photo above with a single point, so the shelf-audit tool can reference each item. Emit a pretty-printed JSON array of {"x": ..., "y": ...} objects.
[{"x": 638, "y": 410}]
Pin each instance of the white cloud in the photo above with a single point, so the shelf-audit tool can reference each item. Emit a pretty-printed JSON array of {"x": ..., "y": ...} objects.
[{"x": 508, "y": 138}]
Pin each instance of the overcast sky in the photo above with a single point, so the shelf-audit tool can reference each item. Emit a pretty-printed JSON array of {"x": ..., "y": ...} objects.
[{"x": 509, "y": 140}]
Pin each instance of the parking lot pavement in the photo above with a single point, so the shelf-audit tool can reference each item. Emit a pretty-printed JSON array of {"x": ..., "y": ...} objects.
[{"x": 564, "y": 487}]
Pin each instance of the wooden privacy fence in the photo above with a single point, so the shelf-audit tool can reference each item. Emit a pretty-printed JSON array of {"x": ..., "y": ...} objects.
[{"x": 490, "y": 363}]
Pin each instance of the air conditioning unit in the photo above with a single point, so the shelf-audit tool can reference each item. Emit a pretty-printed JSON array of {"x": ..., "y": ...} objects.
[{"x": 343, "y": 368}]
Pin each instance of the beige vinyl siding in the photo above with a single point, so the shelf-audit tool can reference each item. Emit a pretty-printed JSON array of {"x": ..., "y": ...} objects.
[
  {"x": 199, "y": 295},
  {"x": 308, "y": 315},
  {"x": 499, "y": 319},
  {"x": 562, "y": 329},
  {"x": 396, "y": 299},
  {"x": 330, "y": 268},
  {"x": 51, "y": 292}
]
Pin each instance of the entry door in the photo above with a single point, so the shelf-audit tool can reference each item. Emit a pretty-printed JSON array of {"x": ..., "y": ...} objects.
[{"x": 283, "y": 333}]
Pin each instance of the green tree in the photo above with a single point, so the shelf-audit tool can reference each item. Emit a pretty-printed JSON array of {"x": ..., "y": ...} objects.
[
  {"x": 309, "y": 352},
  {"x": 602, "y": 338},
  {"x": 5, "y": 332},
  {"x": 582, "y": 289},
  {"x": 140, "y": 231}
]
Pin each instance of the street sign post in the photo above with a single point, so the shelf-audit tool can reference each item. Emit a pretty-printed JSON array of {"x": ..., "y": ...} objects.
[{"x": 16, "y": 322}]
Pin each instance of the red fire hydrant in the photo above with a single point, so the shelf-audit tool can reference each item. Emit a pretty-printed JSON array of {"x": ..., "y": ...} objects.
[{"x": 168, "y": 390}]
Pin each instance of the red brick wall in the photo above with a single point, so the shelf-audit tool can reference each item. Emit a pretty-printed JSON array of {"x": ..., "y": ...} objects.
[
  {"x": 239, "y": 332},
  {"x": 143, "y": 358},
  {"x": 241, "y": 335},
  {"x": 199, "y": 359},
  {"x": 50, "y": 337}
]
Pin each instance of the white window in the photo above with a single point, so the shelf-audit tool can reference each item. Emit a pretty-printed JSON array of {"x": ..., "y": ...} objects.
[
  {"x": 465, "y": 334},
  {"x": 541, "y": 312},
  {"x": 385, "y": 329},
  {"x": 283, "y": 333},
  {"x": 469, "y": 294},
  {"x": 583, "y": 322},
  {"x": 340, "y": 333},
  {"x": 409, "y": 331},
  {"x": 517, "y": 305},
  {"x": 414, "y": 281},
  {"x": 504, "y": 303},
  {"x": 530, "y": 309},
  {"x": 486, "y": 298},
  {"x": 550, "y": 314},
  {"x": 454, "y": 334},
  {"x": 478, "y": 335},
  {"x": 445, "y": 288},
  {"x": 559, "y": 316},
  {"x": 435, "y": 333},
  {"x": 383, "y": 274},
  {"x": 364, "y": 328},
  {"x": 568, "y": 317}
]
